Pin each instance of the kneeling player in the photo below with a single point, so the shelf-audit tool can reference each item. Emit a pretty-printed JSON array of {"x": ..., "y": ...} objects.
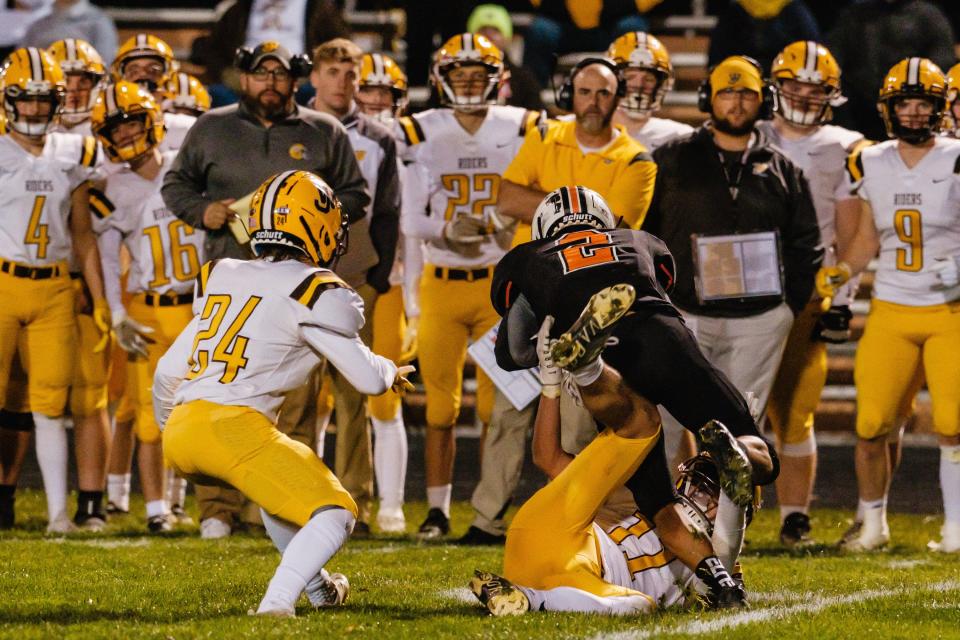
[
  {"x": 261, "y": 328},
  {"x": 622, "y": 568}
]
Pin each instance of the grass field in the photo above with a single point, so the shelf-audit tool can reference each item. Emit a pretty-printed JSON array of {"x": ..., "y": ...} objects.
[{"x": 128, "y": 585}]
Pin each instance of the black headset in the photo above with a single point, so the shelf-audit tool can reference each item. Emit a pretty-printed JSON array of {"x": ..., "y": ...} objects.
[
  {"x": 705, "y": 92},
  {"x": 564, "y": 97},
  {"x": 300, "y": 64}
]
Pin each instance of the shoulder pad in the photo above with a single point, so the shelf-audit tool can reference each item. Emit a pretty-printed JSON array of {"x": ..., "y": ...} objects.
[
  {"x": 412, "y": 131},
  {"x": 308, "y": 292},
  {"x": 100, "y": 205},
  {"x": 203, "y": 277},
  {"x": 855, "y": 161},
  {"x": 88, "y": 152},
  {"x": 530, "y": 119},
  {"x": 340, "y": 311}
]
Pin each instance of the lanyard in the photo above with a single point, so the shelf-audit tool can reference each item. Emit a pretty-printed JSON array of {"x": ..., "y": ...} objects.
[{"x": 734, "y": 184}]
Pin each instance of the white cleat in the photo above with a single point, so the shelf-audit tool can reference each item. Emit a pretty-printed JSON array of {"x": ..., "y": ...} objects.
[
  {"x": 866, "y": 543},
  {"x": 332, "y": 592},
  {"x": 61, "y": 524},
  {"x": 950, "y": 542},
  {"x": 214, "y": 529},
  {"x": 391, "y": 520},
  {"x": 273, "y": 610},
  {"x": 94, "y": 524}
]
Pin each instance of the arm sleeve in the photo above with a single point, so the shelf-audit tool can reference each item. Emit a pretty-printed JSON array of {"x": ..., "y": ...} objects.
[
  {"x": 343, "y": 174},
  {"x": 412, "y": 270},
  {"x": 185, "y": 183},
  {"x": 632, "y": 192},
  {"x": 523, "y": 167},
  {"x": 369, "y": 373},
  {"x": 414, "y": 221},
  {"x": 385, "y": 221},
  {"x": 802, "y": 249},
  {"x": 171, "y": 369},
  {"x": 108, "y": 242},
  {"x": 514, "y": 348}
]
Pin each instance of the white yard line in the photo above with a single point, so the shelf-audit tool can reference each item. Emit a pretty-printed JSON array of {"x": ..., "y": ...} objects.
[
  {"x": 460, "y": 594},
  {"x": 815, "y": 604}
]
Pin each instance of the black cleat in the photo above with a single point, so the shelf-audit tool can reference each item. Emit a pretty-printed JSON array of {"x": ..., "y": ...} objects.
[
  {"x": 586, "y": 339},
  {"x": 498, "y": 595},
  {"x": 7, "y": 514},
  {"x": 736, "y": 472},
  {"x": 114, "y": 510},
  {"x": 160, "y": 524},
  {"x": 729, "y": 598},
  {"x": 476, "y": 537},
  {"x": 434, "y": 526},
  {"x": 795, "y": 531}
]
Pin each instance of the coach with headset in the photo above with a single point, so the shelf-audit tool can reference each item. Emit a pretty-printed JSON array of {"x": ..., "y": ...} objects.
[
  {"x": 738, "y": 218},
  {"x": 225, "y": 157}
]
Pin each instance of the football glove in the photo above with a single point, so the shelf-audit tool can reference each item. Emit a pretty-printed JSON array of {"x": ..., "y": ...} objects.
[
  {"x": 408, "y": 347},
  {"x": 132, "y": 336},
  {"x": 948, "y": 271},
  {"x": 833, "y": 325},
  {"x": 550, "y": 374},
  {"x": 830, "y": 279},
  {"x": 101, "y": 320},
  {"x": 464, "y": 229},
  {"x": 400, "y": 383}
]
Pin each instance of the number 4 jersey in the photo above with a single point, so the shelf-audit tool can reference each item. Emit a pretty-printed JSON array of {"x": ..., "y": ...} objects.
[
  {"x": 917, "y": 215},
  {"x": 35, "y": 196},
  {"x": 558, "y": 275},
  {"x": 166, "y": 252}
]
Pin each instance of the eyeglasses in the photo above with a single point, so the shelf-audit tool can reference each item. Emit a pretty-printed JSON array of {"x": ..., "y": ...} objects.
[{"x": 279, "y": 74}]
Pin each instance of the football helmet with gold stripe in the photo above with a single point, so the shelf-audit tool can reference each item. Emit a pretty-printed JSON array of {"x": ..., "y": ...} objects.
[
  {"x": 379, "y": 74},
  {"x": 808, "y": 63},
  {"x": 639, "y": 51},
  {"x": 31, "y": 75},
  {"x": 122, "y": 103},
  {"x": 185, "y": 94},
  {"x": 83, "y": 71},
  {"x": 153, "y": 77},
  {"x": 913, "y": 78},
  {"x": 463, "y": 51}
]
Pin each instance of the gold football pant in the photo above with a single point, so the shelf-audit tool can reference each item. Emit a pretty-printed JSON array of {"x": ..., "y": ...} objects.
[
  {"x": 39, "y": 318},
  {"x": 88, "y": 393},
  {"x": 551, "y": 542},
  {"x": 800, "y": 380},
  {"x": 167, "y": 323},
  {"x": 207, "y": 442},
  {"x": 897, "y": 341},
  {"x": 389, "y": 325},
  {"x": 452, "y": 312}
]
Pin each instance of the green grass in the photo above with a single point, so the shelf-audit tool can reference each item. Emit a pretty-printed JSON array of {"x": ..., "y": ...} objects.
[{"x": 127, "y": 585}]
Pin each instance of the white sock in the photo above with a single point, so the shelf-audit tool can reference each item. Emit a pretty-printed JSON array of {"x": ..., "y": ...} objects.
[
  {"x": 52, "y": 458},
  {"x": 118, "y": 490},
  {"x": 588, "y": 373},
  {"x": 280, "y": 531},
  {"x": 390, "y": 460},
  {"x": 950, "y": 483},
  {"x": 176, "y": 488},
  {"x": 306, "y": 554},
  {"x": 580, "y": 601},
  {"x": 787, "y": 509},
  {"x": 729, "y": 528},
  {"x": 874, "y": 518},
  {"x": 439, "y": 498},
  {"x": 323, "y": 421},
  {"x": 156, "y": 508}
]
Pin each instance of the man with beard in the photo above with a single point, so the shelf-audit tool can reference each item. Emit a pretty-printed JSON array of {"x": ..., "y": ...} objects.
[
  {"x": 226, "y": 156},
  {"x": 591, "y": 151},
  {"x": 738, "y": 218}
]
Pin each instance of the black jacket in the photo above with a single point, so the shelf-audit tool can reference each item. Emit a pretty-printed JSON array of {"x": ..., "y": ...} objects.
[{"x": 692, "y": 195}]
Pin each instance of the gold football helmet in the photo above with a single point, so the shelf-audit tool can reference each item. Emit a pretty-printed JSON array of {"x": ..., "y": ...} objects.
[
  {"x": 297, "y": 209},
  {"x": 186, "y": 94},
  {"x": 639, "y": 50},
  {"x": 953, "y": 93},
  {"x": 467, "y": 49},
  {"x": 31, "y": 75},
  {"x": 144, "y": 45},
  {"x": 378, "y": 70},
  {"x": 810, "y": 63},
  {"x": 913, "y": 78},
  {"x": 78, "y": 57},
  {"x": 121, "y": 103}
]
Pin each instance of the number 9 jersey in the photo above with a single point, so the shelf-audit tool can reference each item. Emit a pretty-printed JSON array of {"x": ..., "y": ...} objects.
[{"x": 917, "y": 215}]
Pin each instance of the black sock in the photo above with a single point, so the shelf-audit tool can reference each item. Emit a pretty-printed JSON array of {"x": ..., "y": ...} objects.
[
  {"x": 7, "y": 492},
  {"x": 89, "y": 503},
  {"x": 714, "y": 575}
]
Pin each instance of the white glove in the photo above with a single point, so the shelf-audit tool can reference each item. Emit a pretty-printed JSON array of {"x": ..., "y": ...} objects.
[
  {"x": 464, "y": 229},
  {"x": 948, "y": 271},
  {"x": 132, "y": 336},
  {"x": 550, "y": 374}
]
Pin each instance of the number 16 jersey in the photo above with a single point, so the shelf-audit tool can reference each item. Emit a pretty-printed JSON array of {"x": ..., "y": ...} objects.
[{"x": 917, "y": 215}]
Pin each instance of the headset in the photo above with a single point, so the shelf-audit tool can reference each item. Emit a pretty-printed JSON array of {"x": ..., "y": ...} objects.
[
  {"x": 564, "y": 97},
  {"x": 767, "y": 98},
  {"x": 300, "y": 64}
]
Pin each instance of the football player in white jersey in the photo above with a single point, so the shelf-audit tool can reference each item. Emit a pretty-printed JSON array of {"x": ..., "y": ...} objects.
[
  {"x": 261, "y": 328},
  {"x": 456, "y": 157},
  {"x": 601, "y": 558},
  {"x": 648, "y": 75},
  {"x": 166, "y": 256},
  {"x": 806, "y": 82},
  {"x": 910, "y": 188},
  {"x": 43, "y": 184},
  {"x": 84, "y": 72}
]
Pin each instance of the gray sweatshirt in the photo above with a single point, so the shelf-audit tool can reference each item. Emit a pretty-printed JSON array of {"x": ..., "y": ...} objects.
[{"x": 228, "y": 153}]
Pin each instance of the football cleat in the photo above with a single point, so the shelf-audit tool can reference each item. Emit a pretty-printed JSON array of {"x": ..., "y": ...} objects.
[
  {"x": 795, "y": 531},
  {"x": 729, "y": 598},
  {"x": 61, "y": 524},
  {"x": 330, "y": 592},
  {"x": 498, "y": 595},
  {"x": 180, "y": 516},
  {"x": 476, "y": 537},
  {"x": 950, "y": 540},
  {"x": 160, "y": 524},
  {"x": 586, "y": 339},
  {"x": 852, "y": 532},
  {"x": 113, "y": 509},
  {"x": 736, "y": 472},
  {"x": 434, "y": 526},
  {"x": 93, "y": 523},
  {"x": 214, "y": 529},
  {"x": 865, "y": 544},
  {"x": 273, "y": 610},
  {"x": 391, "y": 520}
]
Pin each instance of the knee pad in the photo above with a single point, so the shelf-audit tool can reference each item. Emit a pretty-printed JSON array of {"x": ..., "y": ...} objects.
[{"x": 806, "y": 447}]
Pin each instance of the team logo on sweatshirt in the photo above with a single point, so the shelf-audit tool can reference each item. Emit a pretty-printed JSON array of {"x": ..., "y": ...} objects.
[{"x": 297, "y": 151}]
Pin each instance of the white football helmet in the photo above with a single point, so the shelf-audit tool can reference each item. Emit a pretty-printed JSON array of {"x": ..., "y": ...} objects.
[{"x": 566, "y": 207}]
